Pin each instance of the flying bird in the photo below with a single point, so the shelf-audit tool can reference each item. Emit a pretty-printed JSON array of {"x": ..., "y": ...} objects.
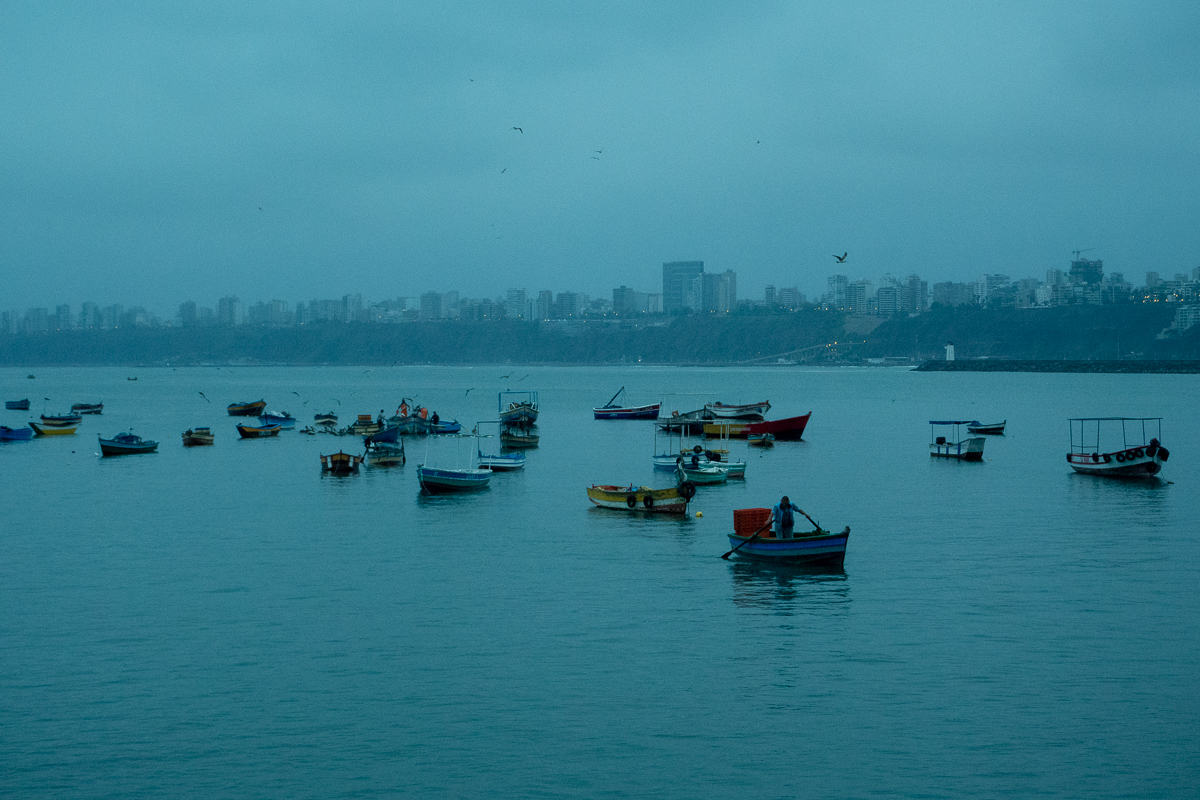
[
  {"x": 518, "y": 130},
  {"x": 596, "y": 157},
  {"x": 504, "y": 170},
  {"x": 601, "y": 150},
  {"x": 523, "y": 377},
  {"x": 502, "y": 377},
  {"x": 842, "y": 258},
  {"x": 468, "y": 391},
  {"x": 295, "y": 393},
  {"x": 205, "y": 397}
]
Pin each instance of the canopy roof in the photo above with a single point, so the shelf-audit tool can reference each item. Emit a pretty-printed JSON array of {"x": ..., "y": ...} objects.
[{"x": 953, "y": 422}]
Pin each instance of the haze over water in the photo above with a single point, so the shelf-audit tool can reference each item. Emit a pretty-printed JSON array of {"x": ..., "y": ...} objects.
[{"x": 226, "y": 621}]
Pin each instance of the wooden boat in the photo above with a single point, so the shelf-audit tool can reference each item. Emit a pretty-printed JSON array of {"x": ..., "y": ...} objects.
[
  {"x": 518, "y": 408},
  {"x": 1136, "y": 458},
  {"x": 990, "y": 428},
  {"x": 340, "y": 463},
  {"x": 389, "y": 434},
  {"x": 246, "y": 409},
  {"x": 500, "y": 462},
  {"x": 744, "y": 411},
  {"x": 970, "y": 449},
  {"x": 253, "y": 432},
  {"x": 385, "y": 455},
  {"x": 47, "y": 430},
  {"x": 281, "y": 418},
  {"x": 366, "y": 425},
  {"x": 125, "y": 444},
  {"x": 611, "y": 410},
  {"x": 15, "y": 434},
  {"x": 515, "y": 439},
  {"x": 61, "y": 420},
  {"x": 17, "y": 405},
  {"x": 194, "y": 437},
  {"x": 643, "y": 498},
  {"x": 88, "y": 408},
  {"x": 761, "y": 440},
  {"x": 702, "y": 476},
  {"x": 816, "y": 547},
  {"x": 325, "y": 419},
  {"x": 441, "y": 481},
  {"x": 789, "y": 429}
]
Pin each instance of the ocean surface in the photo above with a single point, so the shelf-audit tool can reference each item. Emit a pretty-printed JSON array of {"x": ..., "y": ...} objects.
[{"x": 228, "y": 622}]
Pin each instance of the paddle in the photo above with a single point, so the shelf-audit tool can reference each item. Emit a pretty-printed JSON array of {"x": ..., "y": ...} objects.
[
  {"x": 748, "y": 540},
  {"x": 807, "y": 517}
]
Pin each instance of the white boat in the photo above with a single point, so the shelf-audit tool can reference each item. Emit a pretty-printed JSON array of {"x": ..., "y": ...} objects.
[
  {"x": 442, "y": 480},
  {"x": 744, "y": 411},
  {"x": 969, "y": 449},
  {"x": 1137, "y": 457},
  {"x": 501, "y": 462},
  {"x": 702, "y": 476}
]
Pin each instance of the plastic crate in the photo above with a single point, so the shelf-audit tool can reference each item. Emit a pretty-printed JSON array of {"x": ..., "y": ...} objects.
[{"x": 748, "y": 520}]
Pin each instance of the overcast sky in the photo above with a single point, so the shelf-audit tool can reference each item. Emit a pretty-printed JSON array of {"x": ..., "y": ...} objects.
[{"x": 151, "y": 155}]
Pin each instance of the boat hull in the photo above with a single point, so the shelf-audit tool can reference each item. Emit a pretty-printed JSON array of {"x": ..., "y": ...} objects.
[
  {"x": 246, "y": 409},
  {"x": 634, "y": 412},
  {"x": 15, "y": 434},
  {"x": 385, "y": 456},
  {"x": 284, "y": 421},
  {"x": 63, "y": 421},
  {"x": 1136, "y": 462},
  {"x": 505, "y": 462},
  {"x": 88, "y": 408},
  {"x": 826, "y": 548},
  {"x": 704, "y": 476},
  {"x": 132, "y": 445},
  {"x": 988, "y": 428},
  {"x": 784, "y": 430},
  {"x": 626, "y": 498},
  {"x": 340, "y": 463},
  {"x": 745, "y": 411},
  {"x": 46, "y": 430},
  {"x": 966, "y": 450},
  {"x": 518, "y": 440},
  {"x": 252, "y": 432},
  {"x": 444, "y": 481},
  {"x": 17, "y": 405},
  {"x": 198, "y": 437}
]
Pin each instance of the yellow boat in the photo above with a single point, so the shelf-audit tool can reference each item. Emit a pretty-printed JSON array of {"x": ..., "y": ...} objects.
[
  {"x": 668, "y": 501},
  {"x": 40, "y": 430}
]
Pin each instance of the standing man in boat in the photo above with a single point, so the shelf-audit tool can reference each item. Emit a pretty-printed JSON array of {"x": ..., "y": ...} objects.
[{"x": 784, "y": 518}]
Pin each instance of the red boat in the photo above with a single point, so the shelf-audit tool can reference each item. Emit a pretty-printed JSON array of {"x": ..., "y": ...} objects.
[{"x": 790, "y": 429}]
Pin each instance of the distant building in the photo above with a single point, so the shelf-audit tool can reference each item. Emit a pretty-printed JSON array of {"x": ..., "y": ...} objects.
[
  {"x": 678, "y": 282},
  {"x": 431, "y": 306},
  {"x": 515, "y": 304},
  {"x": 545, "y": 304},
  {"x": 914, "y": 294},
  {"x": 887, "y": 301},
  {"x": 837, "y": 285},
  {"x": 230, "y": 311},
  {"x": 89, "y": 316},
  {"x": 187, "y": 314},
  {"x": 953, "y": 294},
  {"x": 859, "y": 295},
  {"x": 727, "y": 292},
  {"x": 769, "y": 296},
  {"x": 790, "y": 297},
  {"x": 949, "y": 351},
  {"x": 1152, "y": 280},
  {"x": 64, "y": 320},
  {"x": 1086, "y": 272}
]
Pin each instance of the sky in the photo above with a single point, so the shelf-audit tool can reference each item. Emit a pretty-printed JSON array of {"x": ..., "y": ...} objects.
[{"x": 153, "y": 153}]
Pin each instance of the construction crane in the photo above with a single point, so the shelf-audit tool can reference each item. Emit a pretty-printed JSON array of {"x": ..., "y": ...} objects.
[{"x": 1085, "y": 250}]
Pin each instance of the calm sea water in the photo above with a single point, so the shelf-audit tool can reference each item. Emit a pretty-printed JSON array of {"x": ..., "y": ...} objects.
[{"x": 227, "y": 622}]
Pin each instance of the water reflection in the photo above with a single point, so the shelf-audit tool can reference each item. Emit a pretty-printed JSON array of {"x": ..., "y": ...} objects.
[{"x": 789, "y": 588}]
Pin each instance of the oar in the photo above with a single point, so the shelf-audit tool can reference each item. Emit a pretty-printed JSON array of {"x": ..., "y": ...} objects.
[
  {"x": 807, "y": 517},
  {"x": 743, "y": 544}
]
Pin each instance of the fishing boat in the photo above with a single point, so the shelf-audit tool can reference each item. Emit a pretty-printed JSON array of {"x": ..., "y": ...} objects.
[
  {"x": 8, "y": 434},
  {"x": 17, "y": 405},
  {"x": 702, "y": 476},
  {"x": 744, "y": 411},
  {"x": 198, "y": 436},
  {"x": 325, "y": 419},
  {"x": 517, "y": 439},
  {"x": 642, "y": 498},
  {"x": 125, "y": 444},
  {"x": 49, "y": 430},
  {"x": 281, "y": 418},
  {"x": 1136, "y": 458},
  {"x": 788, "y": 429},
  {"x": 61, "y": 420},
  {"x": 518, "y": 408},
  {"x": 970, "y": 449},
  {"x": 761, "y": 440},
  {"x": 366, "y": 425},
  {"x": 385, "y": 455},
  {"x": 611, "y": 410},
  {"x": 258, "y": 432},
  {"x": 990, "y": 428},
  {"x": 246, "y": 409},
  {"x": 497, "y": 462},
  {"x": 340, "y": 463},
  {"x": 435, "y": 480},
  {"x": 88, "y": 408},
  {"x": 750, "y": 540},
  {"x": 389, "y": 434}
]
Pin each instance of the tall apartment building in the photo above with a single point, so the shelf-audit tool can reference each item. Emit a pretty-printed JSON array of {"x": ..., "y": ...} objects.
[
  {"x": 1087, "y": 272},
  {"x": 678, "y": 282},
  {"x": 858, "y": 296},
  {"x": 837, "y": 290},
  {"x": 914, "y": 294},
  {"x": 431, "y": 305}
]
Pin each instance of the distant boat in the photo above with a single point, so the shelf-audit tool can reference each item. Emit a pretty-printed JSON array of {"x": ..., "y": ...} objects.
[
  {"x": 15, "y": 434},
  {"x": 441, "y": 481},
  {"x": 88, "y": 408},
  {"x": 194, "y": 437},
  {"x": 745, "y": 411},
  {"x": 515, "y": 438},
  {"x": 281, "y": 418},
  {"x": 388, "y": 435},
  {"x": 340, "y": 463},
  {"x": 124, "y": 444},
  {"x": 990, "y": 428},
  {"x": 365, "y": 425},
  {"x": 246, "y": 409},
  {"x": 611, "y": 410},
  {"x": 702, "y": 476},
  {"x": 43, "y": 430},
  {"x": 761, "y": 439},
  {"x": 17, "y": 405},
  {"x": 253, "y": 432},
  {"x": 642, "y": 498},
  {"x": 964, "y": 449},
  {"x": 789, "y": 429},
  {"x": 385, "y": 455},
  {"x": 521, "y": 409},
  {"x": 61, "y": 420},
  {"x": 1136, "y": 458},
  {"x": 326, "y": 419},
  {"x": 750, "y": 540},
  {"x": 499, "y": 462}
]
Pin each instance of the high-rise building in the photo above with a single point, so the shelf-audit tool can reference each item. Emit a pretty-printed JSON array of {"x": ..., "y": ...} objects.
[
  {"x": 1086, "y": 272},
  {"x": 515, "y": 304},
  {"x": 431, "y": 305},
  {"x": 230, "y": 311},
  {"x": 1152, "y": 279},
  {"x": 678, "y": 282},
  {"x": 887, "y": 301},
  {"x": 727, "y": 292},
  {"x": 769, "y": 295},
  {"x": 64, "y": 320},
  {"x": 789, "y": 297},
  {"x": 89, "y": 316},
  {"x": 545, "y": 304},
  {"x": 914, "y": 294},
  {"x": 858, "y": 296},
  {"x": 187, "y": 314},
  {"x": 837, "y": 290}
]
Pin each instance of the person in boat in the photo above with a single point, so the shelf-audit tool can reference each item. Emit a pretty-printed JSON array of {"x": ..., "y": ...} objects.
[
  {"x": 434, "y": 418},
  {"x": 403, "y": 410},
  {"x": 380, "y": 420},
  {"x": 784, "y": 518},
  {"x": 424, "y": 412}
]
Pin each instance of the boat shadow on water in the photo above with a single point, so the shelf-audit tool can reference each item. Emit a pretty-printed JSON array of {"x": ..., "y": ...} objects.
[{"x": 788, "y": 588}]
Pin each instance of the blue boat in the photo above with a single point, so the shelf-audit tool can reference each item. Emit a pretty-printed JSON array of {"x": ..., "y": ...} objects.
[
  {"x": 389, "y": 435},
  {"x": 502, "y": 462},
  {"x": 753, "y": 539},
  {"x": 445, "y": 426},
  {"x": 442, "y": 481},
  {"x": 15, "y": 434},
  {"x": 17, "y": 405},
  {"x": 124, "y": 444},
  {"x": 521, "y": 409},
  {"x": 281, "y": 418}
]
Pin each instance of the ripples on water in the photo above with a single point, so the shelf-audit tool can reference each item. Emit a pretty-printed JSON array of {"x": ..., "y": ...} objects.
[{"x": 227, "y": 621}]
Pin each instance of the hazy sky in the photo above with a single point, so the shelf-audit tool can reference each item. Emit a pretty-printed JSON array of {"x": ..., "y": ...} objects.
[{"x": 150, "y": 155}]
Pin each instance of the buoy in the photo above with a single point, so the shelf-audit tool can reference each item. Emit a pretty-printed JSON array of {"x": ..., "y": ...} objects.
[{"x": 699, "y": 514}]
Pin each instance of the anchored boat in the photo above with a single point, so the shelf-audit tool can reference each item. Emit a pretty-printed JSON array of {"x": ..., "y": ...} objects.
[
  {"x": 246, "y": 409},
  {"x": 611, "y": 410},
  {"x": 1137, "y": 457},
  {"x": 744, "y": 411},
  {"x": 17, "y": 405},
  {"x": 124, "y": 444},
  {"x": 340, "y": 463},
  {"x": 281, "y": 418},
  {"x": 50, "y": 430},
  {"x": 989, "y": 428},
  {"x": 258, "y": 432},
  {"x": 88, "y": 408},
  {"x": 15, "y": 434},
  {"x": 521, "y": 410},
  {"x": 970, "y": 449},
  {"x": 385, "y": 455},
  {"x": 788, "y": 429},
  {"x": 643, "y": 498},
  {"x": 198, "y": 436},
  {"x": 752, "y": 539}
]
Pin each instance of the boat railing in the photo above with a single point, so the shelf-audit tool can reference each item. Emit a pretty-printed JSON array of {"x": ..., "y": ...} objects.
[{"x": 1129, "y": 432}]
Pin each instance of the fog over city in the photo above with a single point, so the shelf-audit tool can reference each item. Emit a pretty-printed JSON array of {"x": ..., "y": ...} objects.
[{"x": 153, "y": 155}]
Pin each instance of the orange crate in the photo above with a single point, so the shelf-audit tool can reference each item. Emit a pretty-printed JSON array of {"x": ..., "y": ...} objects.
[{"x": 748, "y": 520}]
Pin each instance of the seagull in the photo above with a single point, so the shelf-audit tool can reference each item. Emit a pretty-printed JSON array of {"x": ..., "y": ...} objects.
[
  {"x": 468, "y": 391},
  {"x": 518, "y": 130},
  {"x": 596, "y": 157},
  {"x": 504, "y": 170},
  {"x": 502, "y": 377},
  {"x": 205, "y": 397},
  {"x": 523, "y": 377},
  {"x": 365, "y": 371},
  {"x": 601, "y": 150},
  {"x": 842, "y": 258},
  {"x": 295, "y": 393}
]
